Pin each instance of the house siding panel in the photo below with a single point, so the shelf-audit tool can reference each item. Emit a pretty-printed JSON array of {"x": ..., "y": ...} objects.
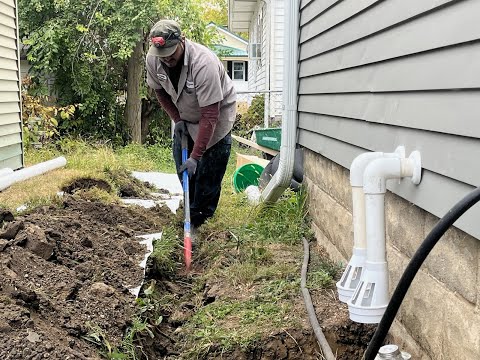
[
  {"x": 11, "y": 152},
  {"x": 372, "y": 78},
  {"x": 381, "y": 17}
]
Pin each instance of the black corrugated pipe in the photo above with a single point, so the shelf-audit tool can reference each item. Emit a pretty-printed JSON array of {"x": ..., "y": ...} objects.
[
  {"x": 322, "y": 341},
  {"x": 415, "y": 263}
]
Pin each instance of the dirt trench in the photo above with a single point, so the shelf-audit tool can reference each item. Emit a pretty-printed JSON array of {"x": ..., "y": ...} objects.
[{"x": 65, "y": 272}]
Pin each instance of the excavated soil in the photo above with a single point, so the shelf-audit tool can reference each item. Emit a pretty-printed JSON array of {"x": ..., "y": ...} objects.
[{"x": 65, "y": 274}]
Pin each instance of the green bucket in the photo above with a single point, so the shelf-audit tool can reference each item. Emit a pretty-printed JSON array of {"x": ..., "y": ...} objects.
[{"x": 246, "y": 175}]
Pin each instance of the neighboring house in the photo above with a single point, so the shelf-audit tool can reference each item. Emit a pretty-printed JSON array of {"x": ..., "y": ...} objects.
[
  {"x": 374, "y": 75},
  {"x": 11, "y": 149},
  {"x": 233, "y": 52},
  {"x": 264, "y": 22}
]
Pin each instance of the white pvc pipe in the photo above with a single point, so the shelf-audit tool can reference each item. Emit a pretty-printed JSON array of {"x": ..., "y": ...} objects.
[
  {"x": 375, "y": 227},
  {"x": 370, "y": 298},
  {"x": 31, "y": 171},
  {"x": 356, "y": 265},
  {"x": 282, "y": 178},
  {"x": 5, "y": 171}
]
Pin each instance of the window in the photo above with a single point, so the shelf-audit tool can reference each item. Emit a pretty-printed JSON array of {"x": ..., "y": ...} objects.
[
  {"x": 255, "y": 51},
  {"x": 238, "y": 70}
]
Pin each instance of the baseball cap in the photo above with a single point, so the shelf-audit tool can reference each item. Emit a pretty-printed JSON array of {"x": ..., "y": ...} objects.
[{"x": 164, "y": 37}]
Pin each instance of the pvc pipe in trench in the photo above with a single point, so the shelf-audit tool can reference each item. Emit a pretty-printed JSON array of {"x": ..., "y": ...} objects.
[{"x": 31, "y": 171}]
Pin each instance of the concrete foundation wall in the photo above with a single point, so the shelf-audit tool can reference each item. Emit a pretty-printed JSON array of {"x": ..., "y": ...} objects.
[{"x": 440, "y": 316}]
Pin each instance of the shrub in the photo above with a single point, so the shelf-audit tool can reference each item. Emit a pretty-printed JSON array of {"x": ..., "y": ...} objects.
[{"x": 252, "y": 118}]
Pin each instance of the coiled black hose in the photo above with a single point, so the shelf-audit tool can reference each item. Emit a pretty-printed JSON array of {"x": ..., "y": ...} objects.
[{"x": 415, "y": 263}]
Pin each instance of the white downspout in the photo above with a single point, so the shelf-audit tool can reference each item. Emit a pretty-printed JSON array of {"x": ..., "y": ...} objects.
[
  {"x": 353, "y": 272},
  {"x": 268, "y": 36},
  {"x": 371, "y": 298},
  {"x": 281, "y": 180}
]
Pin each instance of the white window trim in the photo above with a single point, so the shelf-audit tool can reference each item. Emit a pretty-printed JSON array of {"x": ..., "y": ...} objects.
[{"x": 233, "y": 70}]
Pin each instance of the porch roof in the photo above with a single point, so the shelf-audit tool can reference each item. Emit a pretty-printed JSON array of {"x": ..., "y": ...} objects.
[{"x": 240, "y": 13}]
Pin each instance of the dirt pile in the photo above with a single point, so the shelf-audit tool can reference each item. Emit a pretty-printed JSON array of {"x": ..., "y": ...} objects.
[{"x": 65, "y": 273}]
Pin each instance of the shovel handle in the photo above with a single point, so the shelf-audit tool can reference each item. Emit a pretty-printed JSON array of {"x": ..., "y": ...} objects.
[{"x": 187, "y": 240}]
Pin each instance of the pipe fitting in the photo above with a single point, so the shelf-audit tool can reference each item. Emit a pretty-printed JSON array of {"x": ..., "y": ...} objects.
[
  {"x": 356, "y": 265},
  {"x": 370, "y": 299}
]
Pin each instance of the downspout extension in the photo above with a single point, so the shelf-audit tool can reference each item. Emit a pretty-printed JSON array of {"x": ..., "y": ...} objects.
[
  {"x": 281, "y": 180},
  {"x": 353, "y": 272},
  {"x": 370, "y": 298}
]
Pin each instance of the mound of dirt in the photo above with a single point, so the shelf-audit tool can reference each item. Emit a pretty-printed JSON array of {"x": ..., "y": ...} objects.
[{"x": 65, "y": 273}]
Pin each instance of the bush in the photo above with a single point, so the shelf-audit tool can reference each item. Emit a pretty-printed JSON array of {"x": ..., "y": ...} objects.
[
  {"x": 40, "y": 118},
  {"x": 252, "y": 118}
]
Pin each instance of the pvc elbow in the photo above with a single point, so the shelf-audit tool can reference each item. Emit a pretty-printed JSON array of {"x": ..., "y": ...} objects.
[
  {"x": 360, "y": 163},
  {"x": 378, "y": 172}
]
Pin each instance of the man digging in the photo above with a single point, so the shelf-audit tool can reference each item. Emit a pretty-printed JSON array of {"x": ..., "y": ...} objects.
[{"x": 193, "y": 88}]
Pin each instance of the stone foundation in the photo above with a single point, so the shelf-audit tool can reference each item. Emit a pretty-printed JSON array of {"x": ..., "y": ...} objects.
[{"x": 440, "y": 316}]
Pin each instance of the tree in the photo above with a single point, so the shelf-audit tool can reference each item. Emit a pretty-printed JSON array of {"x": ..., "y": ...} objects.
[
  {"x": 215, "y": 11},
  {"x": 95, "y": 51}
]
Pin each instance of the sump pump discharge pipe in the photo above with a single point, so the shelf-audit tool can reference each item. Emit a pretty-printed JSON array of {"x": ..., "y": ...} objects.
[
  {"x": 353, "y": 272},
  {"x": 370, "y": 298},
  {"x": 414, "y": 265}
]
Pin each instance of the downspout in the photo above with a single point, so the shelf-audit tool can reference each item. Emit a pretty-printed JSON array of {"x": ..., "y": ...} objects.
[
  {"x": 281, "y": 180},
  {"x": 353, "y": 271},
  {"x": 370, "y": 298},
  {"x": 31, "y": 171},
  {"x": 266, "y": 110}
]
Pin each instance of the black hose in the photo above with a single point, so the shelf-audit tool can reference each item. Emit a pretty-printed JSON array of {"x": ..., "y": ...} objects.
[
  {"x": 322, "y": 341},
  {"x": 414, "y": 265}
]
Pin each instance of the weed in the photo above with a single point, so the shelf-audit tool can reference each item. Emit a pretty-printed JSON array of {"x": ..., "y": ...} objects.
[{"x": 166, "y": 252}]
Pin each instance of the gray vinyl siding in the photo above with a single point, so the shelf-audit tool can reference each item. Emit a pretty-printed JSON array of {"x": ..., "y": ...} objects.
[
  {"x": 377, "y": 74},
  {"x": 11, "y": 153}
]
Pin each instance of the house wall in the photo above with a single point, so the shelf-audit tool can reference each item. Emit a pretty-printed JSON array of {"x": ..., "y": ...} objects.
[
  {"x": 268, "y": 22},
  {"x": 230, "y": 40},
  {"x": 11, "y": 154},
  {"x": 375, "y": 75}
]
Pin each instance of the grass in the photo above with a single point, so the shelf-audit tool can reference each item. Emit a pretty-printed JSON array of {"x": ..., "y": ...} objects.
[
  {"x": 83, "y": 160},
  {"x": 253, "y": 253}
]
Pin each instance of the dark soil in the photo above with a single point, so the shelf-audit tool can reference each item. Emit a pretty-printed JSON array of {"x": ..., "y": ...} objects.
[{"x": 65, "y": 273}]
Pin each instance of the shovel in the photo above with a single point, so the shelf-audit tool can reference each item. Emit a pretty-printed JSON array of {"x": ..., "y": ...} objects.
[{"x": 187, "y": 236}]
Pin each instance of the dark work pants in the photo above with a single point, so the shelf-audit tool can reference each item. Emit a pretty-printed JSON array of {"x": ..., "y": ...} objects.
[{"x": 206, "y": 184}]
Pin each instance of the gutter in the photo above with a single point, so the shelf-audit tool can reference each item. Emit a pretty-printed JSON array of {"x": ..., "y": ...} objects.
[{"x": 281, "y": 180}]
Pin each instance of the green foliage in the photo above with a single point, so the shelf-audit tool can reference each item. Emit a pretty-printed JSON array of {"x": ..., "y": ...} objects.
[
  {"x": 40, "y": 119},
  {"x": 85, "y": 45},
  {"x": 215, "y": 11},
  {"x": 253, "y": 117}
]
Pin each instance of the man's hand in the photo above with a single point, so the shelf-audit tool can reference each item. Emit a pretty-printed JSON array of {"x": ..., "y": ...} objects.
[
  {"x": 190, "y": 165},
  {"x": 180, "y": 129}
]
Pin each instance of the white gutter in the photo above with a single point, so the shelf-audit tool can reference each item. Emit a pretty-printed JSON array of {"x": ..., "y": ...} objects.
[
  {"x": 283, "y": 176},
  {"x": 371, "y": 298},
  {"x": 31, "y": 171}
]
